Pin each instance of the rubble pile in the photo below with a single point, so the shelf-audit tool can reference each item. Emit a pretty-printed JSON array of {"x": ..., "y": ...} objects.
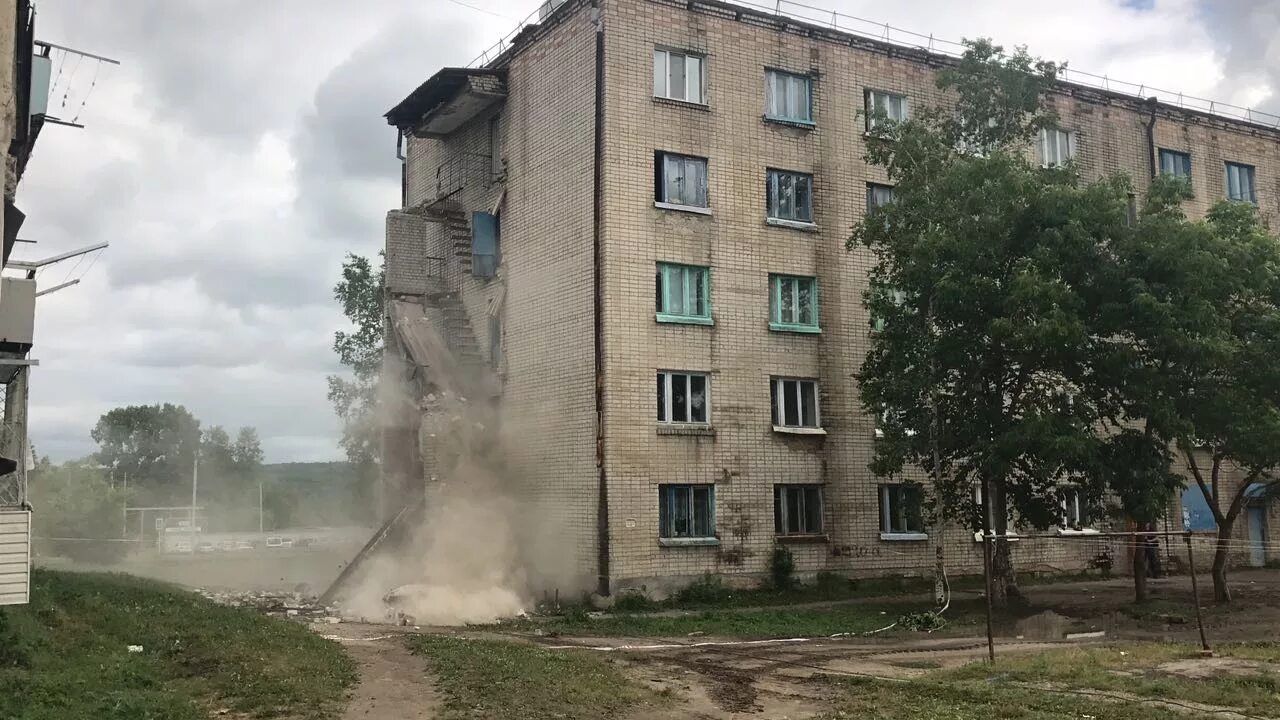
[{"x": 302, "y": 606}]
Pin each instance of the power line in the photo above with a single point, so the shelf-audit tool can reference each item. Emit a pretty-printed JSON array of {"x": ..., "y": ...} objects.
[{"x": 479, "y": 9}]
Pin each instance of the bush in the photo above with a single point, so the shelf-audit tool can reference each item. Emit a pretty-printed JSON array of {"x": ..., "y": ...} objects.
[
  {"x": 830, "y": 582},
  {"x": 16, "y": 650},
  {"x": 782, "y": 568},
  {"x": 707, "y": 590},
  {"x": 633, "y": 601}
]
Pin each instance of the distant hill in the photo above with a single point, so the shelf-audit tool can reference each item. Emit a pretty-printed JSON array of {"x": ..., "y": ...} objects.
[
  {"x": 318, "y": 494},
  {"x": 315, "y": 473}
]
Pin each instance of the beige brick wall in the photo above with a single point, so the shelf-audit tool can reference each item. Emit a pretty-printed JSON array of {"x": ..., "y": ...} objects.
[
  {"x": 545, "y": 131},
  {"x": 745, "y": 458}
]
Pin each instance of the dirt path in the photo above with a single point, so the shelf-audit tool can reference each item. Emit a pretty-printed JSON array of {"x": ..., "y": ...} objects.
[{"x": 394, "y": 684}]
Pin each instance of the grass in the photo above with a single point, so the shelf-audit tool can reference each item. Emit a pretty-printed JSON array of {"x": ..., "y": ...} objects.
[
  {"x": 499, "y": 679},
  {"x": 874, "y": 700},
  {"x": 768, "y": 622},
  {"x": 66, "y": 656},
  {"x": 1135, "y": 668}
]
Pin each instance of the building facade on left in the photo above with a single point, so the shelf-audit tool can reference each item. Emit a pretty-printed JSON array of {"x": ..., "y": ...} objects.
[{"x": 24, "y": 88}]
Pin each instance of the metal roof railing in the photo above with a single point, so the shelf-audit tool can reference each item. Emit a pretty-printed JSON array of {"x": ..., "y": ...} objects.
[{"x": 885, "y": 32}]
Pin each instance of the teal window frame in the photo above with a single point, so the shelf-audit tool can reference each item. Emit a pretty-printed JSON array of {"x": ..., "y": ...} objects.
[
  {"x": 776, "y": 80},
  {"x": 777, "y": 321},
  {"x": 690, "y": 278}
]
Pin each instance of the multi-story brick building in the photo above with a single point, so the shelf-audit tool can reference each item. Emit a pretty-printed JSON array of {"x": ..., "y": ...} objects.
[{"x": 636, "y": 218}]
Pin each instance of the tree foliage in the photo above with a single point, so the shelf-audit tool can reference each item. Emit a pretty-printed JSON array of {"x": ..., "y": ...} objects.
[
  {"x": 78, "y": 510},
  {"x": 354, "y": 397},
  {"x": 153, "y": 446}
]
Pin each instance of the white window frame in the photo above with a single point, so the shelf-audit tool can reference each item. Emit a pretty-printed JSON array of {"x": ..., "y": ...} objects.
[
  {"x": 874, "y": 189},
  {"x": 888, "y": 514},
  {"x": 1057, "y": 147},
  {"x": 662, "y": 76},
  {"x": 1071, "y": 502},
  {"x": 700, "y": 193},
  {"x": 773, "y": 197},
  {"x": 667, "y": 398},
  {"x": 889, "y": 102},
  {"x": 691, "y": 537},
  {"x": 773, "y": 78},
  {"x": 1011, "y": 534},
  {"x": 777, "y": 398},
  {"x": 780, "y": 505},
  {"x": 1178, "y": 154}
]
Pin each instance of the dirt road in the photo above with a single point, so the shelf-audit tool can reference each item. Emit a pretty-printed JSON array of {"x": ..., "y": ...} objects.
[{"x": 394, "y": 685}]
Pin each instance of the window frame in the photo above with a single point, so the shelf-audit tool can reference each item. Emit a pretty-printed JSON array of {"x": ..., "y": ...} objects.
[
  {"x": 666, "y": 53},
  {"x": 776, "y": 322},
  {"x": 896, "y": 522},
  {"x": 665, "y": 398},
  {"x": 668, "y": 497},
  {"x": 777, "y": 392},
  {"x": 663, "y": 293},
  {"x": 1252, "y": 173},
  {"x": 1057, "y": 134},
  {"x": 1073, "y": 505},
  {"x": 770, "y": 96},
  {"x": 781, "y": 513},
  {"x": 872, "y": 189},
  {"x": 661, "y": 182},
  {"x": 1162, "y": 153},
  {"x": 773, "y": 197},
  {"x": 870, "y": 95}
]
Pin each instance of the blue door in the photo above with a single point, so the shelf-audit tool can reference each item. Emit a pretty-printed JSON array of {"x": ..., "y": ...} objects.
[{"x": 1257, "y": 535}]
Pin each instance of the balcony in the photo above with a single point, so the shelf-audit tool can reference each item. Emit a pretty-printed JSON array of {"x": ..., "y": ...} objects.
[{"x": 449, "y": 100}]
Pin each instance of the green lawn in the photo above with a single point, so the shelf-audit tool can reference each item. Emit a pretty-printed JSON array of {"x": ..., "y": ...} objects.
[
  {"x": 66, "y": 656},
  {"x": 1141, "y": 669},
  {"x": 481, "y": 679}
]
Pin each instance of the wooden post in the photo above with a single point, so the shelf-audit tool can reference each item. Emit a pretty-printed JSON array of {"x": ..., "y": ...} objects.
[
  {"x": 1195, "y": 593},
  {"x": 986, "y": 572}
]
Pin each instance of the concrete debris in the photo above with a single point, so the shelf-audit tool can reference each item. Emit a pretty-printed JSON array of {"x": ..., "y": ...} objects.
[
  {"x": 135, "y": 649},
  {"x": 282, "y": 604}
]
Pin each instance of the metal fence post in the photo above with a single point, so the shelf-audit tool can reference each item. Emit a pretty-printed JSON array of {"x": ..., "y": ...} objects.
[{"x": 986, "y": 573}]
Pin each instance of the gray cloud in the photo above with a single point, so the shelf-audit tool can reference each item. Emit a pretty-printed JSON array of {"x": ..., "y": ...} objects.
[{"x": 1248, "y": 34}]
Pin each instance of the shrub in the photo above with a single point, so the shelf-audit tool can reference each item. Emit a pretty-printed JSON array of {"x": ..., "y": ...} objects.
[
  {"x": 707, "y": 590},
  {"x": 782, "y": 568},
  {"x": 633, "y": 601},
  {"x": 828, "y": 581}
]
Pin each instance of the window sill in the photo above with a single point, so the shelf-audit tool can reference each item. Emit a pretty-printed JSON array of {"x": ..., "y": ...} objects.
[
  {"x": 904, "y": 537},
  {"x": 676, "y": 102},
  {"x": 784, "y": 430},
  {"x": 817, "y": 538},
  {"x": 793, "y": 224},
  {"x": 803, "y": 329},
  {"x": 688, "y": 542},
  {"x": 1082, "y": 531},
  {"x": 682, "y": 208},
  {"x": 802, "y": 124},
  {"x": 683, "y": 319},
  {"x": 1011, "y": 537},
  {"x": 690, "y": 429}
]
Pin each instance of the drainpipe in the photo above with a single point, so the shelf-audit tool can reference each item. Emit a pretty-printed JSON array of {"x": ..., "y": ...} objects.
[
  {"x": 602, "y": 490},
  {"x": 1151, "y": 136}
]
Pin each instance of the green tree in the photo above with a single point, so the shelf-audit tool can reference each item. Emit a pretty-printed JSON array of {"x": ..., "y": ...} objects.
[
  {"x": 981, "y": 289},
  {"x": 355, "y": 397},
  {"x": 79, "y": 510},
  {"x": 1196, "y": 330},
  {"x": 153, "y": 446}
]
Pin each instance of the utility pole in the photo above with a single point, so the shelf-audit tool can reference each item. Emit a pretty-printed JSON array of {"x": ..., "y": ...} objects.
[
  {"x": 195, "y": 483},
  {"x": 124, "y": 493},
  {"x": 259, "y": 504}
]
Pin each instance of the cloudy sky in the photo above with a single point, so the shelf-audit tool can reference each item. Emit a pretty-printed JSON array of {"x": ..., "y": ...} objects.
[{"x": 239, "y": 152}]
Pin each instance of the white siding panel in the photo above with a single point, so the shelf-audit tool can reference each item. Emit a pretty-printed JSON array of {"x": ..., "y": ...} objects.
[{"x": 15, "y": 557}]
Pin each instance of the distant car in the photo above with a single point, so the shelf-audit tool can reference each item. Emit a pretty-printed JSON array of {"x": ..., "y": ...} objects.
[
  {"x": 182, "y": 547},
  {"x": 227, "y": 545},
  {"x": 244, "y": 545},
  {"x": 305, "y": 542},
  {"x": 206, "y": 547},
  {"x": 275, "y": 541},
  {"x": 286, "y": 542}
]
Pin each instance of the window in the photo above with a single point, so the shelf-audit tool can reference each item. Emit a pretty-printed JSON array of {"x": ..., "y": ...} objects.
[
  {"x": 790, "y": 196},
  {"x": 678, "y": 76},
  {"x": 878, "y": 195},
  {"x": 683, "y": 293},
  {"x": 901, "y": 510},
  {"x": 885, "y": 106},
  {"x": 683, "y": 398},
  {"x": 788, "y": 97},
  {"x": 1075, "y": 509},
  {"x": 795, "y": 403},
  {"x": 686, "y": 511},
  {"x": 484, "y": 244},
  {"x": 897, "y": 297},
  {"x": 1056, "y": 147},
  {"x": 681, "y": 180},
  {"x": 1240, "y": 183},
  {"x": 797, "y": 509},
  {"x": 1175, "y": 163},
  {"x": 793, "y": 303}
]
